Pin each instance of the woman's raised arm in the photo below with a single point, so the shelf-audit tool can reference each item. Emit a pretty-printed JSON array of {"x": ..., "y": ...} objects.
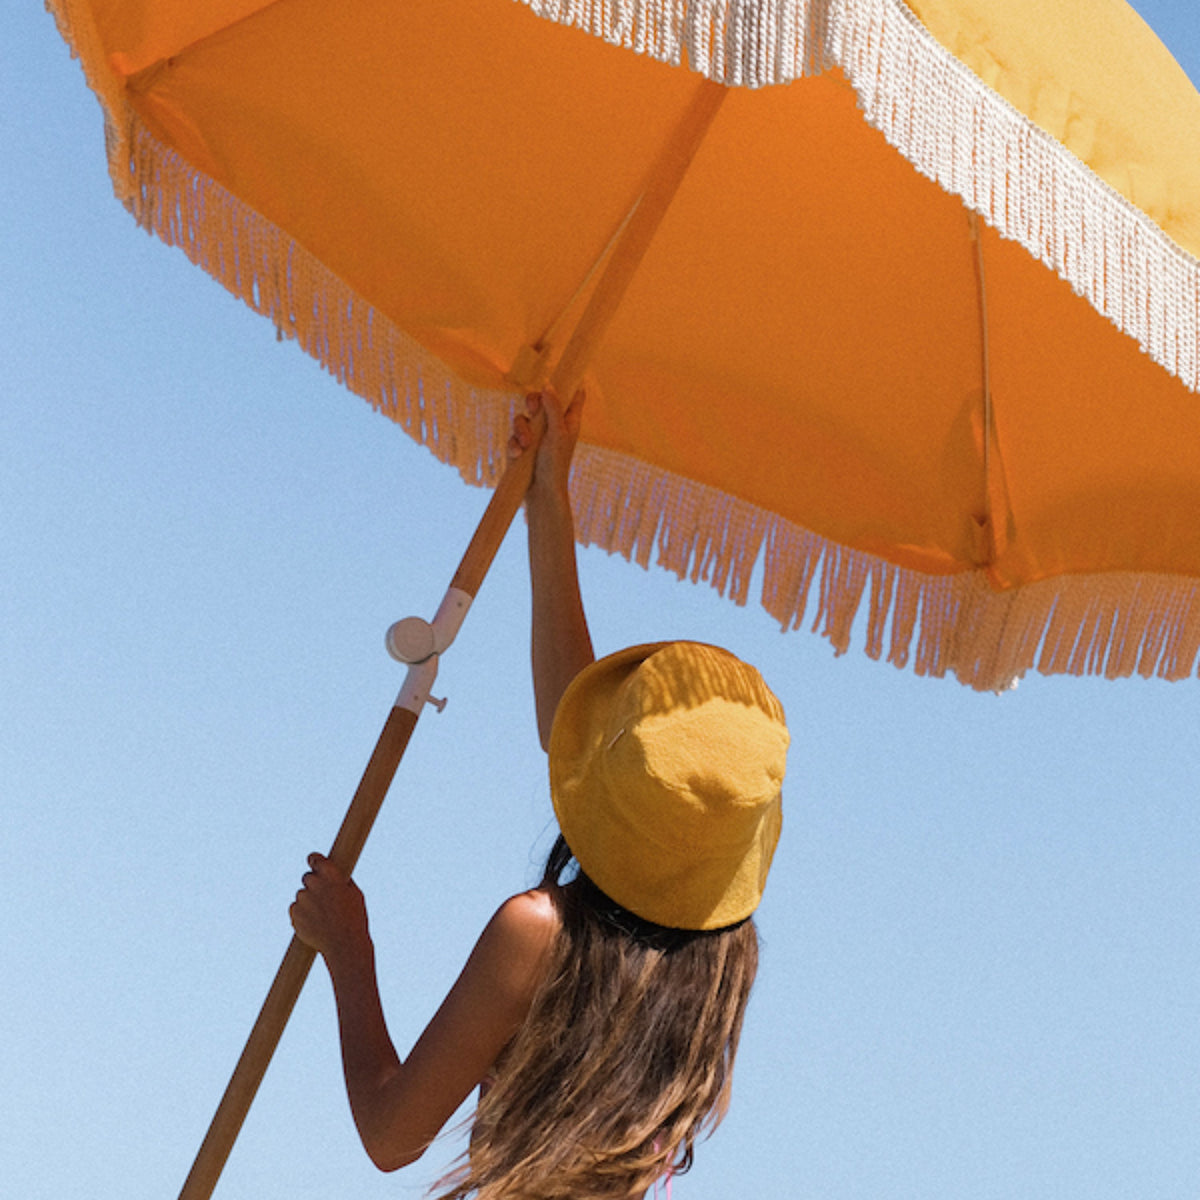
[{"x": 561, "y": 645}]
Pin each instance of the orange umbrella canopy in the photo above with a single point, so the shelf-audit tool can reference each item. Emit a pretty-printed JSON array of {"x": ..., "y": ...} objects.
[{"x": 919, "y": 333}]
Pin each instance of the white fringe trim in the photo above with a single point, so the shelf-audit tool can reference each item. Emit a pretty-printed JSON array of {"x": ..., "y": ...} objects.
[
  {"x": 77, "y": 25},
  {"x": 951, "y": 127},
  {"x": 1102, "y": 624},
  {"x": 464, "y": 426},
  {"x": 1113, "y": 624}
]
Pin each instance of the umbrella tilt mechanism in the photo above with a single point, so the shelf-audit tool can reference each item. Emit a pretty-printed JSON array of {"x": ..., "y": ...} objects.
[{"x": 418, "y": 644}]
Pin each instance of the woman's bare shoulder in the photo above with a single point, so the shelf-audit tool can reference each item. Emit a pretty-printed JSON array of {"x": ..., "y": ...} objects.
[
  {"x": 513, "y": 951},
  {"x": 526, "y": 924}
]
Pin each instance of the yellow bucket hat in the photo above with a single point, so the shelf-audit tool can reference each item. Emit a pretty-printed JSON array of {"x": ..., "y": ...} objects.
[{"x": 666, "y": 763}]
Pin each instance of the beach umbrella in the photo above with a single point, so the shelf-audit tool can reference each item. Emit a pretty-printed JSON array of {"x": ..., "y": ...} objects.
[
  {"x": 893, "y": 305},
  {"x": 917, "y": 335}
]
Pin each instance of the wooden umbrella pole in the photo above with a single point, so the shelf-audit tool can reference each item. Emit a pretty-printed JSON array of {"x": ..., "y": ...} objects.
[
  {"x": 289, "y": 979},
  {"x": 652, "y": 206}
]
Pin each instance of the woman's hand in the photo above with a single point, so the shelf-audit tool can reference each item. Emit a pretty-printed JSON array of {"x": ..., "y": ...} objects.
[
  {"x": 329, "y": 913},
  {"x": 552, "y": 467}
]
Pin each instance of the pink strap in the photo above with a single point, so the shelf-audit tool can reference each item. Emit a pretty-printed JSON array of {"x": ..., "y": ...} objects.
[{"x": 666, "y": 1188}]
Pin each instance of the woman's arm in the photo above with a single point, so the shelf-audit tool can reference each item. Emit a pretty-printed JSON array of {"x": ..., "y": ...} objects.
[
  {"x": 399, "y": 1107},
  {"x": 561, "y": 645}
]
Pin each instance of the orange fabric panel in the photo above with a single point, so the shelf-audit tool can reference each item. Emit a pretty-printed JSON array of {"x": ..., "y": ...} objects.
[
  {"x": 1101, "y": 449},
  {"x": 802, "y": 262}
]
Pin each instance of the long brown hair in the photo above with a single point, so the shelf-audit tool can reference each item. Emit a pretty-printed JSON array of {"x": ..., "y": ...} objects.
[{"x": 624, "y": 1061}]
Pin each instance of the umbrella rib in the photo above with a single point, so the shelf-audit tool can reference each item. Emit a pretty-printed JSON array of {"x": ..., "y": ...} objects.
[
  {"x": 529, "y": 367},
  {"x": 624, "y": 251},
  {"x": 633, "y": 240},
  {"x": 985, "y": 547},
  {"x": 668, "y": 173},
  {"x": 139, "y": 79}
]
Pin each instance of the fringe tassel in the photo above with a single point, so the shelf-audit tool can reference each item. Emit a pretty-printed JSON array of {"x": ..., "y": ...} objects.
[
  {"x": 1112, "y": 624},
  {"x": 77, "y": 26},
  {"x": 951, "y": 127},
  {"x": 631, "y": 509},
  {"x": 464, "y": 426}
]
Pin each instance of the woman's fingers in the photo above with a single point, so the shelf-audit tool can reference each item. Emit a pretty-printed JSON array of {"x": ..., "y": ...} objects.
[
  {"x": 326, "y": 869},
  {"x": 522, "y": 436},
  {"x": 551, "y": 403},
  {"x": 323, "y": 878},
  {"x": 562, "y": 430},
  {"x": 574, "y": 414},
  {"x": 329, "y": 910}
]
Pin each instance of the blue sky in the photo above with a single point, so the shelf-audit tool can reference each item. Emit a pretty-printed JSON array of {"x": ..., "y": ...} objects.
[{"x": 981, "y": 976}]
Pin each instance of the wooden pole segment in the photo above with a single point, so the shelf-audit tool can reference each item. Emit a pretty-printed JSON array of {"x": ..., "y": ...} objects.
[
  {"x": 289, "y": 979},
  {"x": 626, "y": 255}
]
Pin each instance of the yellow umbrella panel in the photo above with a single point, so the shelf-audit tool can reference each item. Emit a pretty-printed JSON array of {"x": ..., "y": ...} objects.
[{"x": 919, "y": 327}]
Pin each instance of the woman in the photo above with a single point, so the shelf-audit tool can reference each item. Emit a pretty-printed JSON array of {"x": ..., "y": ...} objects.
[{"x": 599, "y": 1012}]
